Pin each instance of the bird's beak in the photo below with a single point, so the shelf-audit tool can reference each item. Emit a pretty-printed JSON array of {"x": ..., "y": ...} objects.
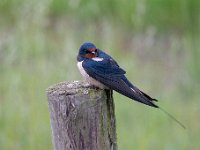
[{"x": 93, "y": 52}]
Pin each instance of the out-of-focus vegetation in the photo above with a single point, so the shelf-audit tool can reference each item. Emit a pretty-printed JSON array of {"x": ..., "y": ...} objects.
[{"x": 155, "y": 41}]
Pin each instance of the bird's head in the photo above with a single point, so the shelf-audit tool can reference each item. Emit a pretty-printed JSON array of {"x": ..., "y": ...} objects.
[{"x": 87, "y": 51}]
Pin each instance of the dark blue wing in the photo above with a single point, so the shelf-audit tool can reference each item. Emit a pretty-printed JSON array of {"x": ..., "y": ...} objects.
[{"x": 110, "y": 74}]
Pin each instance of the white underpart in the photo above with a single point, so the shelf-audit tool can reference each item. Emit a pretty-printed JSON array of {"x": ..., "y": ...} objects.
[
  {"x": 97, "y": 59},
  {"x": 89, "y": 79}
]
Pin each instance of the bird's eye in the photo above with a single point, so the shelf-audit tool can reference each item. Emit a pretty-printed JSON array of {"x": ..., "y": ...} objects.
[
  {"x": 93, "y": 51},
  {"x": 87, "y": 51}
]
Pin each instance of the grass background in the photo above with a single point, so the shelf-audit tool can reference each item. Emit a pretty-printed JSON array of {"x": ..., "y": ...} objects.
[{"x": 155, "y": 41}]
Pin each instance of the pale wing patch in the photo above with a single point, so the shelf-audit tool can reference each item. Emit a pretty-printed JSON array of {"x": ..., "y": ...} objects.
[
  {"x": 133, "y": 90},
  {"x": 97, "y": 59}
]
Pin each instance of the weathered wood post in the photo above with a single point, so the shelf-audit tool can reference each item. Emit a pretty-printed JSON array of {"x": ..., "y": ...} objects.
[{"x": 82, "y": 117}]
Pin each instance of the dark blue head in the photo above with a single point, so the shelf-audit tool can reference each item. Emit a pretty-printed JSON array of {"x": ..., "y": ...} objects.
[{"x": 87, "y": 51}]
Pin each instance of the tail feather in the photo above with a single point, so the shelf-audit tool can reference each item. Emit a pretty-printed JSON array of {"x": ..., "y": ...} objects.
[{"x": 148, "y": 97}]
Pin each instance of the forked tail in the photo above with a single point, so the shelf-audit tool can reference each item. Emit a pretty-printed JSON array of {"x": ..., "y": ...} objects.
[{"x": 172, "y": 117}]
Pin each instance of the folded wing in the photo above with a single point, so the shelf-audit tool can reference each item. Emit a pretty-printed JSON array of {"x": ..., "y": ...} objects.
[{"x": 110, "y": 74}]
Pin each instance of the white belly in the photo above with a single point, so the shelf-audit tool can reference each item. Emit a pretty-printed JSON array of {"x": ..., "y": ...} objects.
[{"x": 89, "y": 79}]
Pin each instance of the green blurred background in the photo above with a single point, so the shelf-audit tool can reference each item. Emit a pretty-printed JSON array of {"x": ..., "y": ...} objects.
[{"x": 156, "y": 41}]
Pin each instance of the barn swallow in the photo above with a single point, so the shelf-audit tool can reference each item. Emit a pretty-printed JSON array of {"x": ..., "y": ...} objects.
[{"x": 101, "y": 70}]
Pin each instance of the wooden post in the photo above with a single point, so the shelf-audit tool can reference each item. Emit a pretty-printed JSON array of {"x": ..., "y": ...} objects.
[{"x": 82, "y": 117}]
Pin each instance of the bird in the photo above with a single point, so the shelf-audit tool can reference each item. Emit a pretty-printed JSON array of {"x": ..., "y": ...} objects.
[{"x": 102, "y": 71}]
